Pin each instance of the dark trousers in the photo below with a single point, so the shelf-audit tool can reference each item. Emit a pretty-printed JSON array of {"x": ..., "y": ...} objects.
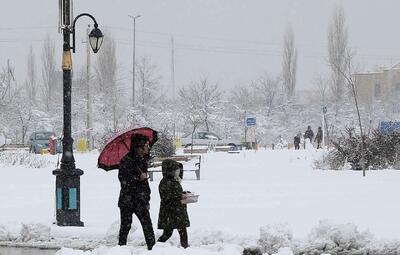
[
  {"x": 297, "y": 146},
  {"x": 143, "y": 214},
  {"x": 167, "y": 233}
]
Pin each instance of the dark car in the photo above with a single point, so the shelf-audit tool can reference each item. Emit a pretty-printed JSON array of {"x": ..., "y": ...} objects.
[{"x": 40, "y": 140}]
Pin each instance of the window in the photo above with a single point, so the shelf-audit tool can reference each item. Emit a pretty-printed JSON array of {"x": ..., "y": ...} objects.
[
  {"x": 43, "y": 136},
  {"x": 377, "y": 90},
  {"x": 397, "y": 88},
  {"x": 212, "y": 136}
]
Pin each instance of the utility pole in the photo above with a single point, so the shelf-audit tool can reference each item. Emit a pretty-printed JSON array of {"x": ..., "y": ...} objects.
[
  {"x": 173, "y": 83},
  {"x": 172, "y": 68},
  {"x": 245, "y": 128},
  {"x": 134, "y": 57},
  {"x": 88, "y": 102}
]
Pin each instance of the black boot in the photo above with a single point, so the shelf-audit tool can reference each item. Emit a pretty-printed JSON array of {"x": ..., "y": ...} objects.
[{"x": 183, "y": 238}]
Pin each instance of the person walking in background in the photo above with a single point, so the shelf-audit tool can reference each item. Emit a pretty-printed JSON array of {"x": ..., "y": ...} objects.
[
  {"x": 296, "y": 141},
  {"x": 318, "y": 137},
  {"x": 173, "y": 213},
  {"x": 309, "y": 134},
  {"x": 135, "y": 191}
]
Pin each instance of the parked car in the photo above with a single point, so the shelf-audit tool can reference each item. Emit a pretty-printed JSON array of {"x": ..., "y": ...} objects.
[
  {"x": 207, "y": 139},
  {"x": 40, "y": 140}
]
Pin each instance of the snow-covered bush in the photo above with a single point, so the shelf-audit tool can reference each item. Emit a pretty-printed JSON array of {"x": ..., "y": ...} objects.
[
  {"x": 285, "y": 251},
  {"x": 112, "y": 233},
  {"x": 23, "y": 159},
  {"x": 273, "y": 237},
  {"x": 34, "y": 232},
  {"x": 381, "y": 151},
  {"x": 252, "y": 251},
  {"x": 6, "y": 234},
  {"x": 164, "y": 147},
  {"x": 336, "y": 239}
]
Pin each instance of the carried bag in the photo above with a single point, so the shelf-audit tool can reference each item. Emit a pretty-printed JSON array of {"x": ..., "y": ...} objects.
[{"x": 189, "y": 197}]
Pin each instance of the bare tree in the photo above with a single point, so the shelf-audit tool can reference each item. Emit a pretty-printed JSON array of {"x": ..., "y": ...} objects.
[
  {"x": 204, "y": 98},
  {"x": 23, "y": 112},
  {"x": 107, "y": 78},
  {"x": 31, "y": 80},
  {"x": 337, "y": 48},
  {"x": 148, "y": 80},
  {"x": 322, "y": 84},
  {"x": 289, "y": 63},
  {"x": 351, "y": 79},
  {"x": 267, "y": 89},
  {"x": 242, "y": 100},
  {"x": 7, "y": 85},
  {"x": 48, "y": 71}
]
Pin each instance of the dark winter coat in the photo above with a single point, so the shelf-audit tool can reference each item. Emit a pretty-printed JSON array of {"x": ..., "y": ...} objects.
[
  {"x": 173, "y": 214},
  {"x": 309, "y": 134},
  {"x": 134, "y": 192},
  {"x": 296, "y": 139},
  {"x": 318, "y": 137}
]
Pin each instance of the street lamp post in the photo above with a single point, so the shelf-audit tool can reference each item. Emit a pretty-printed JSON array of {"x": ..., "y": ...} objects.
[
  {"x": 134, "y": 57},
  {"x": 68, "y": 176}
]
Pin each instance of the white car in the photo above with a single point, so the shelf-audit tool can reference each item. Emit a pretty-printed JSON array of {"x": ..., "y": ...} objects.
[{"x": 207, "y": 139}]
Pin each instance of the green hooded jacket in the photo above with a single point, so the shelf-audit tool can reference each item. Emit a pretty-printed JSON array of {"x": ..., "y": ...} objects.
[{"x": 173, "y": 214}]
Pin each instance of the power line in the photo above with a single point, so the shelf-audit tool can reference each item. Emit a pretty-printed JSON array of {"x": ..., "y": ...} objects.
[{"x": 29, "y": 28}]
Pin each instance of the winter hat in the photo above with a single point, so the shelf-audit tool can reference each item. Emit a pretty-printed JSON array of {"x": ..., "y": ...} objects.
[
  {"x": 138, "y": 140},
  {"x": 169, "y": 167}
]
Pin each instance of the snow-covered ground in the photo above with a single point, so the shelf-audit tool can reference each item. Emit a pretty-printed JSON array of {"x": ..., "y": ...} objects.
[{"x": 239, "y": 195}]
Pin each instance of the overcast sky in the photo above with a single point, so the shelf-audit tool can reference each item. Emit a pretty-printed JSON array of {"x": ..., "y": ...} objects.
[{"x": 228, "y": 41}]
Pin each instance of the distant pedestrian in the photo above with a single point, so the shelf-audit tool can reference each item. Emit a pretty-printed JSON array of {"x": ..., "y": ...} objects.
[
  {"x": 173, "y": 213},
  {"x": 135, "y": 192},
  {"x": 296, "y": 141},
  {"x": 309, "y": 134},
  {"x": 318, "y": 137}
]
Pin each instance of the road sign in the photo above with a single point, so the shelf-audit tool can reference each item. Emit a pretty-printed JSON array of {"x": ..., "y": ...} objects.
[
  {"x": 387, "y": 127},
  {"x": 250, "y": 121}
]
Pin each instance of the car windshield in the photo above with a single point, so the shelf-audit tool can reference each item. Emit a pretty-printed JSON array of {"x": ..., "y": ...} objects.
[
  {"x": 43, "y": 136},
  {"x": 211, "y": 136}
]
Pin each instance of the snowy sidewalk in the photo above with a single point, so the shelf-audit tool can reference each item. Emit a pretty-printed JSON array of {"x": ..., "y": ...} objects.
[{"x": 239, "y": 194}]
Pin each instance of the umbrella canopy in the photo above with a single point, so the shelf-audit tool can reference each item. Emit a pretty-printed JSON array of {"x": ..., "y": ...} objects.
[{"x": 119, "y": 145}]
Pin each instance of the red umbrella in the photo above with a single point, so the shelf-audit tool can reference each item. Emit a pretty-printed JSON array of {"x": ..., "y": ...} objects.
[{"x": 119, "y": 145}]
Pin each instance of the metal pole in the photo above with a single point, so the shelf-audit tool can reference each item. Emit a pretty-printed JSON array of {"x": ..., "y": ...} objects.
[
  {"x": 323, "y": 130},
  {"x": 134, "y": 62},
  {"x": 67, "y": 160},
  {"x": 173, "y": 67},
  {"x": 88, "y": 103},
  {"x": 67, "y": 177},
  {"x": 134, "y": 57},
  {"x": 245, "y": 130}
]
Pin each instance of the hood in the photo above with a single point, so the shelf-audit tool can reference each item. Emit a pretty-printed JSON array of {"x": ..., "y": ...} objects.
[{"x": 169, "y": 167}]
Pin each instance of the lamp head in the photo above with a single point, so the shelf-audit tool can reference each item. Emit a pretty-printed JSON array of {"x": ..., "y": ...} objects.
[{"x": 95, "y": 39}]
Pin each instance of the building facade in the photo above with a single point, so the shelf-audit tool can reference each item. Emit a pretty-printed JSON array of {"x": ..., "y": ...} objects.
[{"x": 380, "y": 85}]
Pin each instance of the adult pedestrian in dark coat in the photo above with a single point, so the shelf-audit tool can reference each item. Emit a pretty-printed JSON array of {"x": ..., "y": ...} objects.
[
  {"x": 309, "y": 134},
  {"x": 135, "y": 191},
  {"x": 318, "y": 137},
  {"x": 296, "y": 142},
  {"x": 173, "y": 214}
]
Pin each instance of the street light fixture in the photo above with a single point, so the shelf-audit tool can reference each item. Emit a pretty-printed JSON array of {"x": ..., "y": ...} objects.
[
  {"x": 95, "y": 39},
  {"x": 68, "y": 176}
]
